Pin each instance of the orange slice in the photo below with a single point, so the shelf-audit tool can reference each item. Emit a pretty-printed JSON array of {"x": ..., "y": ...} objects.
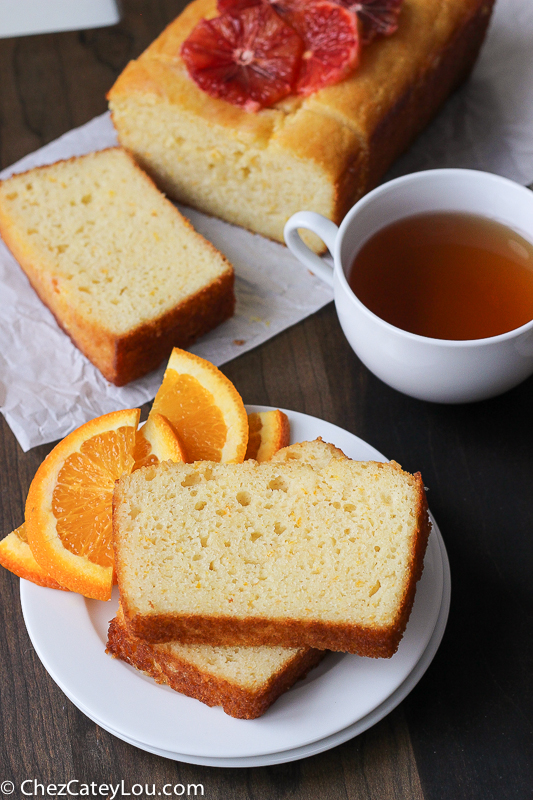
[
  {"x": 204, "y": 408},
  {"x": 68, "y": 510},
  {"x": 16, "y": 556},
  {"x": 157, "y": 441},
  {"x": 269, "y": 432}
]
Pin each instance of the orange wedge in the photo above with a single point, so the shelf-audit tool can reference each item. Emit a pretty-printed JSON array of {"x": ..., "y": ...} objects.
[
  {"x": 204, "y": 408},
  {"x": 16, "y": 556},
  {"x": 68, "y": 510},
  {"x": 157, "y": 441},
  {"x": 269, "y": 432}
]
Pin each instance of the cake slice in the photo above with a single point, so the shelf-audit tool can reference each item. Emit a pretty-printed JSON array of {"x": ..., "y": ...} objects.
[
  {"x": 317, "y": 453},
  {"x": 245, "y": 681},
  {"x": 285, "y": 553},
  {"x": 125, "y": 275}
]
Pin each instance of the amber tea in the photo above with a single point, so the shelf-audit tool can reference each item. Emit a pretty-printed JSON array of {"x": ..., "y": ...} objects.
[{"x": 447, "y": 276}]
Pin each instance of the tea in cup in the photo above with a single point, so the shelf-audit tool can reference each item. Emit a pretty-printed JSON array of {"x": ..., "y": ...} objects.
[{"x": 433, "y": 282}]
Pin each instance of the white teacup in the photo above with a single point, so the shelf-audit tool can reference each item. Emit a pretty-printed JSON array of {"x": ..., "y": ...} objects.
[{"x": 443, "y": 371}]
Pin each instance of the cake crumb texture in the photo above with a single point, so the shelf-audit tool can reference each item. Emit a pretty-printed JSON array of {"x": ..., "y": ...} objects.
[{"x": 274, "y": 553}]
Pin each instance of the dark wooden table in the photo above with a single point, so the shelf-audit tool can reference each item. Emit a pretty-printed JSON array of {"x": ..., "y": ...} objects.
[{"x": 466, "y": 731}]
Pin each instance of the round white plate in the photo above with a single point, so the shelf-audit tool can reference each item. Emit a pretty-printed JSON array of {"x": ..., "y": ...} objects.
[{"x": 69, "y": 635}]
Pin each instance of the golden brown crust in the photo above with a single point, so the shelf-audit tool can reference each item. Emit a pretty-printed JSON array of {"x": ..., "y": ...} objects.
[
  {"x": 352, "y": 131},
  {"x": 371, "y": 641},
  {"x": 145, "y": 348},
  {"x": 420, "y": 103},
  {"x": 199, "y": 629},
  {"x": 124, "y": 358},
  {"x": 187, "y": 678}
]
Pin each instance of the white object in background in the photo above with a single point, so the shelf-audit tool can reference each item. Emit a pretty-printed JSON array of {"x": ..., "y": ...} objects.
[
  {"x": 25, "y": 17},
  {"x": 439, "y": 370}
]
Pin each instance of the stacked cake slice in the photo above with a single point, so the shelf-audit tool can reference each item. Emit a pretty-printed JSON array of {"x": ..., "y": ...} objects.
[{"x": 218, "y": 561}]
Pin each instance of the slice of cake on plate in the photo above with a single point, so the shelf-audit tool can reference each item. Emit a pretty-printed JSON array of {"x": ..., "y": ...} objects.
[{"x": 279, "y": 553}]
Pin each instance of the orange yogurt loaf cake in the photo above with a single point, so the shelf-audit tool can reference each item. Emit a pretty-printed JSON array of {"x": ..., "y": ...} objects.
[
  {"x": 125, "y": 275},
  {"x": 321, "y": 152},
  {"x": 280, "y": 553}
]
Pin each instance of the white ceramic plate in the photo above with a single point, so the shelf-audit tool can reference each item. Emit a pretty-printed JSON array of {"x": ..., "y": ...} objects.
[{"x": 69, "y": 635}]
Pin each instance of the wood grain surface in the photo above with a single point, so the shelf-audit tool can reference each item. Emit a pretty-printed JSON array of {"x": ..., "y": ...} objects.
[{"x": 466, "y": 731}]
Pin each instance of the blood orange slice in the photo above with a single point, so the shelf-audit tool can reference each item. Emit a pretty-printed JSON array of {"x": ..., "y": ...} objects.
[
  {"x": 376, "y": 16},
  {"x": 249, "y": 57},
  {"x": 237, "y": 5},
  {"x": 331, "y": 39}
]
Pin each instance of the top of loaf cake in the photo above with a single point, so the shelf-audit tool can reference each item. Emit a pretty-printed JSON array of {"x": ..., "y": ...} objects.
[{"x": 387, "y": 67}]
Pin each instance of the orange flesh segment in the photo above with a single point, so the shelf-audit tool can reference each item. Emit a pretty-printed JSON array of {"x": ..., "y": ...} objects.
[
  {"x": 82, "y": 497},
  {"x": 192, "y": 411},
  {"x": 142, "y": 452},
  {"x": 254, "y": 438}
]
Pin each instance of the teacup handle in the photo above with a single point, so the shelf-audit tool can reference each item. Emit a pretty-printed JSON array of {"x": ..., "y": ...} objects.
[{"x": 323, "y": 227}]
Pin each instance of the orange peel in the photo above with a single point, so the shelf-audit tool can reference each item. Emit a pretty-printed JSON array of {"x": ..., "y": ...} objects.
[
  {"x": 204, "y": 408},
  {"x": 269, "y": 432},
  {"x": 16, "y": 556},
  {"x": 68, "y": 510},
  {"x": 157, "y": 441}
]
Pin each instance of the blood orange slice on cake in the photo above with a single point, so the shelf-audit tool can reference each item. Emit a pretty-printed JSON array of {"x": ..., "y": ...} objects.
[
  {"x": 237, "y": 5},
  {"x": 376, "y": 16},
  {"x": 331, "y": 43},
  {"x": 249, "y": 57}
]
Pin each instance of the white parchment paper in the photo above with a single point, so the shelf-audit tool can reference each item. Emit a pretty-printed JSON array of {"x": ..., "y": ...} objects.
[{"x": 47, "y": 388}]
